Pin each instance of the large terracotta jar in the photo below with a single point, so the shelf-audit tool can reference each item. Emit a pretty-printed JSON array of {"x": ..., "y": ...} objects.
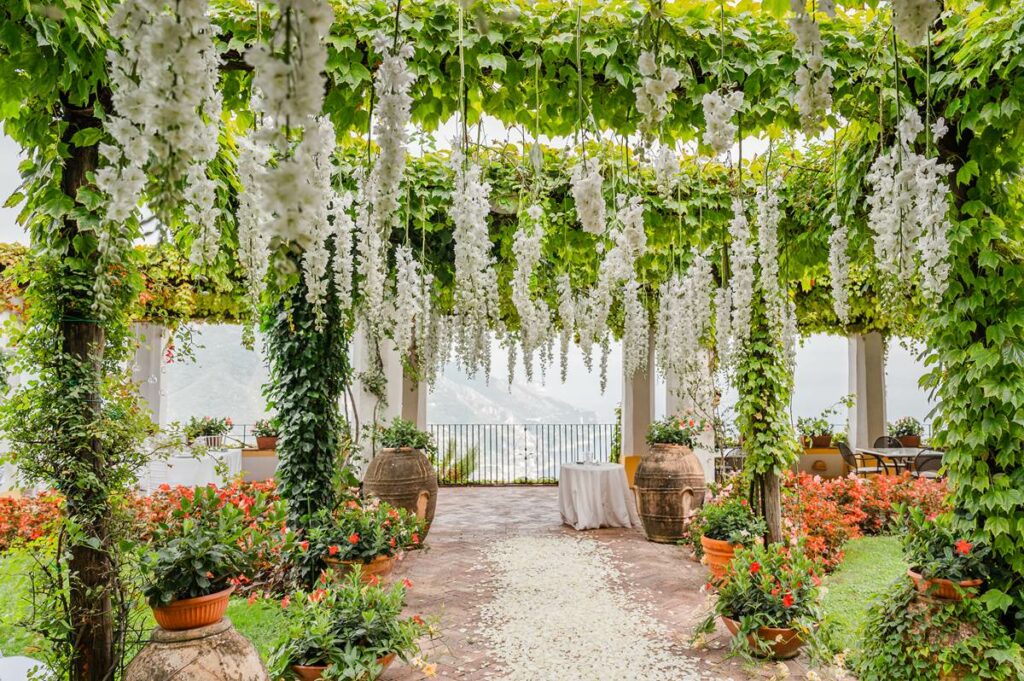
[
  {"x": 669, "y": 487},
  {"x": 213, "y": 653},
  {"x": 405, "y": 479}
]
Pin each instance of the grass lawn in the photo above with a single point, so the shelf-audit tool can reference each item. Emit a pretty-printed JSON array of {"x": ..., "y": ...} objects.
[{"x": 871, "y": 564}]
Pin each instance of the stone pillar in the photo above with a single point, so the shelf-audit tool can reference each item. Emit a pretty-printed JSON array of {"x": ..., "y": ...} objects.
[
  {"x": 148, "y": 370},
  {"x": 638, "y": 407},
  {"x": 867, "y": 383},
  {"x": 677, "y": 405},
  {"x": 414, "y": 400}
]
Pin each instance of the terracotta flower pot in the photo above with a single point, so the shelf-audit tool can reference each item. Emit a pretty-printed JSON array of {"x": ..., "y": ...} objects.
[
  {"x": 821, "y": 441},
  {"x": 266, "y": 442},
  {"x": 192, "y": 613},
  {"x": 379, "y": 567},
  {"x": 313, "y": 672},
  {"x": 717, "y": 555},
  {"x": 944, "y": 589},
  {"x": 669, "y": 489},
  {"x": 910, "y": 440},
  {"x": 783, "y": 643}
]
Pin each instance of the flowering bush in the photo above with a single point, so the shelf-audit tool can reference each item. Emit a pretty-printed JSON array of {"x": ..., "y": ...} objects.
[
  {"x": 934, "y": 550},
  {"x": 906, "y": 426},
  {"x": 26, "y": 519},
  {"x": 676, "y": 430},
  {"x": 812, "y": 514},
  {"x": 362, "y": 532},
  {"x": 346, "y": 626},
  {"x": 732, "y": 521}
]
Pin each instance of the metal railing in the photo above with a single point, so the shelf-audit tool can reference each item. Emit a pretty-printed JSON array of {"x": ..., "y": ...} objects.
[{"x": 507, "y": 454}]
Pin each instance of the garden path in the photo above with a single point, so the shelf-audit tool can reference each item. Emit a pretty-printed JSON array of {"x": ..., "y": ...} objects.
[{"x": 495, "y": 549}]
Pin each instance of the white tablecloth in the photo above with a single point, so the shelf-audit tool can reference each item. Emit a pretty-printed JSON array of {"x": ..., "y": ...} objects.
[
  {"x": 191, "y": 472},
  {"x": 596, "y": 495}
]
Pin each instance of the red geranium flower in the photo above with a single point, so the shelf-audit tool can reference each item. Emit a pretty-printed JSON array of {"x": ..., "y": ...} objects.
[
  {"x": 285, "y": 601},
  {"x": 787, "y": 600},
  {"x": 963, "y": 547},
  {"x": 353, "y": 538},
  {"x": 755, "y": 567},
  {"x": 332, "y": 550},
  {"x": 304, "y": 545}
]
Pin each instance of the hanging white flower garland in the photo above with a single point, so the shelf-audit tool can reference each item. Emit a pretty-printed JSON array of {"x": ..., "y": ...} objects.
[
  {"x": 779, "y": 307},
  {"x": 567, "y": 317},
  {"x": 907, "y": 211},
  {"x": 586, "y": 183},
  {"x": 683, "y": 327},
  {"x": 814, "y": 98},
  {"x": 913, "y": 18},
  {"x": 839, "y": 267},
  {"x": 636, "y": 326},
  {"x": 719, "y": 108},
  {"x": 652, "y": 95},
  {"x": 742, "y": 257},
  {"x": 408, "y": 305},
  {"x": 476, "y": 281},
  {"x": 534, "y": 315},
  {"x": 165, "y": 120}
]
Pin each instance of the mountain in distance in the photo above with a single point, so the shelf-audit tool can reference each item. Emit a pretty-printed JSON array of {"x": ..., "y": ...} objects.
[{"x": 456, "y": 398}]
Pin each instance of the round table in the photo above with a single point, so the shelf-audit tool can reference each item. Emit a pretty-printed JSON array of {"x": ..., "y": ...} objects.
[{"x": 593, "y": 495}]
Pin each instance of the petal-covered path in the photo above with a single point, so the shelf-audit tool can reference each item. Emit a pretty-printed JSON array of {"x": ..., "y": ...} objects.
[{"x": 518, "y": 596}]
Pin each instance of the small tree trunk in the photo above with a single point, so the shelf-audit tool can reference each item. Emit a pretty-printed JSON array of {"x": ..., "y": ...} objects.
[
  {"x": 91, "y": 572},
  {"x": 772, "y": 506}
]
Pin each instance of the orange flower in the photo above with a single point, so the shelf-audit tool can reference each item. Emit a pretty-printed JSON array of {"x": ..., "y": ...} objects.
[
  {"x": 963, "y": 547},
  {"x": 317, "y": 596},
  {"x": 418, "y": 620},
  {"x": 755, "y": 567},
  {"x": 373, "y": 580},
  {"x": 285, "y": 601},
  {"x": 407, "y": 583},
  {"x": 353, "y": 538},
  {"x": 332, "y": 550},
  {"x": 415, "y": 537},
  {"x": 304, "y": 545},
  {"x": 787, "y": 600}
]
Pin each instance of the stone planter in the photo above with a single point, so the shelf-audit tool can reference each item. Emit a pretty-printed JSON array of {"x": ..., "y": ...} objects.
[
  {"x": 669, "y": 488},
  {"x": 192, "y": 613},
  {"x": 266, "y": 442},
  {"x": 405, "y": 479},
  {"x": 379, "y": 567},
  {"x": 944, "y": 589},
  {"x": 910, "y": 440},
  {"x": 313, "y": 672},
  {"x": 717, "y": 556},
  {"x": 213, "y": 653},
  {"x": 783, "y": 643}
]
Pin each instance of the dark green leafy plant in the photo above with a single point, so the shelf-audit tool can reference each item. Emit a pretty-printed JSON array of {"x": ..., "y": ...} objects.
[
  {"x": 364, "y": 531},
  {"x": 676, "y": 430},
  {"x": 207, "y": 426},
  {"x": 347, "y": 626},
  {"x": 935, "y": 550},
  {"x": 907, "y": 638},
  {"x": 731, "y": 520},
  {"x": 401, "y": 434},
  {"x": 198, "y": 551}
]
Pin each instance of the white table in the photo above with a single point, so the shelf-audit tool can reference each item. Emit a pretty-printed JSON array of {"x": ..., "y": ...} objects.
[
  {"x": 593, "y": 495},
  {"x": 897, "y": 457},
  {"x": 185, "y": 469}
]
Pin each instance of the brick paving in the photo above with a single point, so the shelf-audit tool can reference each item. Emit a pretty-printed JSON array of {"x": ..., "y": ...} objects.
[{"x": 449, "y": 575}]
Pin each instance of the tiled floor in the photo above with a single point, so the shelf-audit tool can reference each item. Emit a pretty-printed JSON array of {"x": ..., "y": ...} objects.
[{"x": 449, "y": 574}]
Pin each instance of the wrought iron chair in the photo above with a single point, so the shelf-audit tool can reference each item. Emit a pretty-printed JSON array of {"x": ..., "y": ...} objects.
[
  {"x": 887, "y": 441},
  {"x": 728, "y": 463},
  {"x": 857, "y": 463},
  {"x": 927, "y": 464}
]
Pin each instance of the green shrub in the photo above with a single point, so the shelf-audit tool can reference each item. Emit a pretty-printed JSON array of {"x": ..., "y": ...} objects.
[{"x": 908, "y": 638}]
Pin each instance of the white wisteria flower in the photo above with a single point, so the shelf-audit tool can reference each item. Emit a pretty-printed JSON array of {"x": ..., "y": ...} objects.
[
  {"x": 636, "y": 326},
  {"x": 741, "y": 282},
  {"x": 814, "y": 97},
  {"x": 839, "y": 267},
  {"x": 652, "y": 95},
  {"x": 683, "y": 327},
  {"x": 344, "y": 242},
  {"x": 912, "y": 19},
  {"x": 408, "y": 304},
  {"x": 476, "y": 281},
  {"x": 534, "y": 314},
  {"x": 586, "y": 182},
  {"x": 253, "y": 240},
  {"x": 567, "y": 320},
  {"x": 666, "y": 171},
  {"x": 719, "y": 107}
]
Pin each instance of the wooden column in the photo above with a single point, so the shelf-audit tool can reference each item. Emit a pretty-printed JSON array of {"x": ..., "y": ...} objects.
[{"x": 867, "y": 382}]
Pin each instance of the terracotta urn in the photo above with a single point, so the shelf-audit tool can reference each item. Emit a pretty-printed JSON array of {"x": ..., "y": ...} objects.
[
  {"x": 192, "y": 613},
  {"x": 213, "y": 653},
  {"x": 944, "y": 589},
  {"x": 379, "y": 567},
  {"x": 314, "y": 672},
  {"x": 405, "y": 479},
  {"x": 669, "y": 486},
  {"x": 783, "y": 643}
]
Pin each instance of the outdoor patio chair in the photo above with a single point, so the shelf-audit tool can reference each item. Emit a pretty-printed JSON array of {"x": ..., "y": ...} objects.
[
  {"x": 927, "y": 464},
  {"x": 858, "y": 464},
  {"x": 728, "y": 463},
  {"x": 887, "y": 441}
]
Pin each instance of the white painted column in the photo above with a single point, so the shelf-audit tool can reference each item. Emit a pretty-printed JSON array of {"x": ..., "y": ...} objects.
[
  {"x": 867, "y": 383},
  {"x": 677, "y": 404},
  {"x": 148, "y": 370},
  {"x": 638, "y": 407},
  {"x": 414, "y": 400}
]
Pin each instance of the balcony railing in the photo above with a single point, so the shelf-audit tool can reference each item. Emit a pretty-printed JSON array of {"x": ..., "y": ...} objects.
[{"x": 507, "y": 454}]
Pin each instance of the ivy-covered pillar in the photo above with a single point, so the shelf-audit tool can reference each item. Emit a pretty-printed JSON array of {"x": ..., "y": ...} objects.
[
  {"x": 867, "y": 383},
  {"x": 309, "y": 371}
]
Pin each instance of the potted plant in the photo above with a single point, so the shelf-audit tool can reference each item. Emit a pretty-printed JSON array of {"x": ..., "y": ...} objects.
[
  {"x": 815, "y": 431},
  {"x": 725, "y": 527},
  {"x": 943, "y": 564},
  {"x": 207, "y": 431},
  {"x": 907, "y": 430},
  {"x": 369, "y": 535},
  {"x": 345, "y": 629},
  {"x": 266, "y": 433},
  {"x": 669, "y": 483},
  {"x": 401, "y": 473},
  {"x": 195, "y": 561},
  {"x": 769, "y": 603}
]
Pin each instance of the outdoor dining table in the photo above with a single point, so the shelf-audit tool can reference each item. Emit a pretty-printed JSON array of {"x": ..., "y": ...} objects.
[
  {"x": 902, "y": 457},
  {"x": 593, "y": 495}
]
